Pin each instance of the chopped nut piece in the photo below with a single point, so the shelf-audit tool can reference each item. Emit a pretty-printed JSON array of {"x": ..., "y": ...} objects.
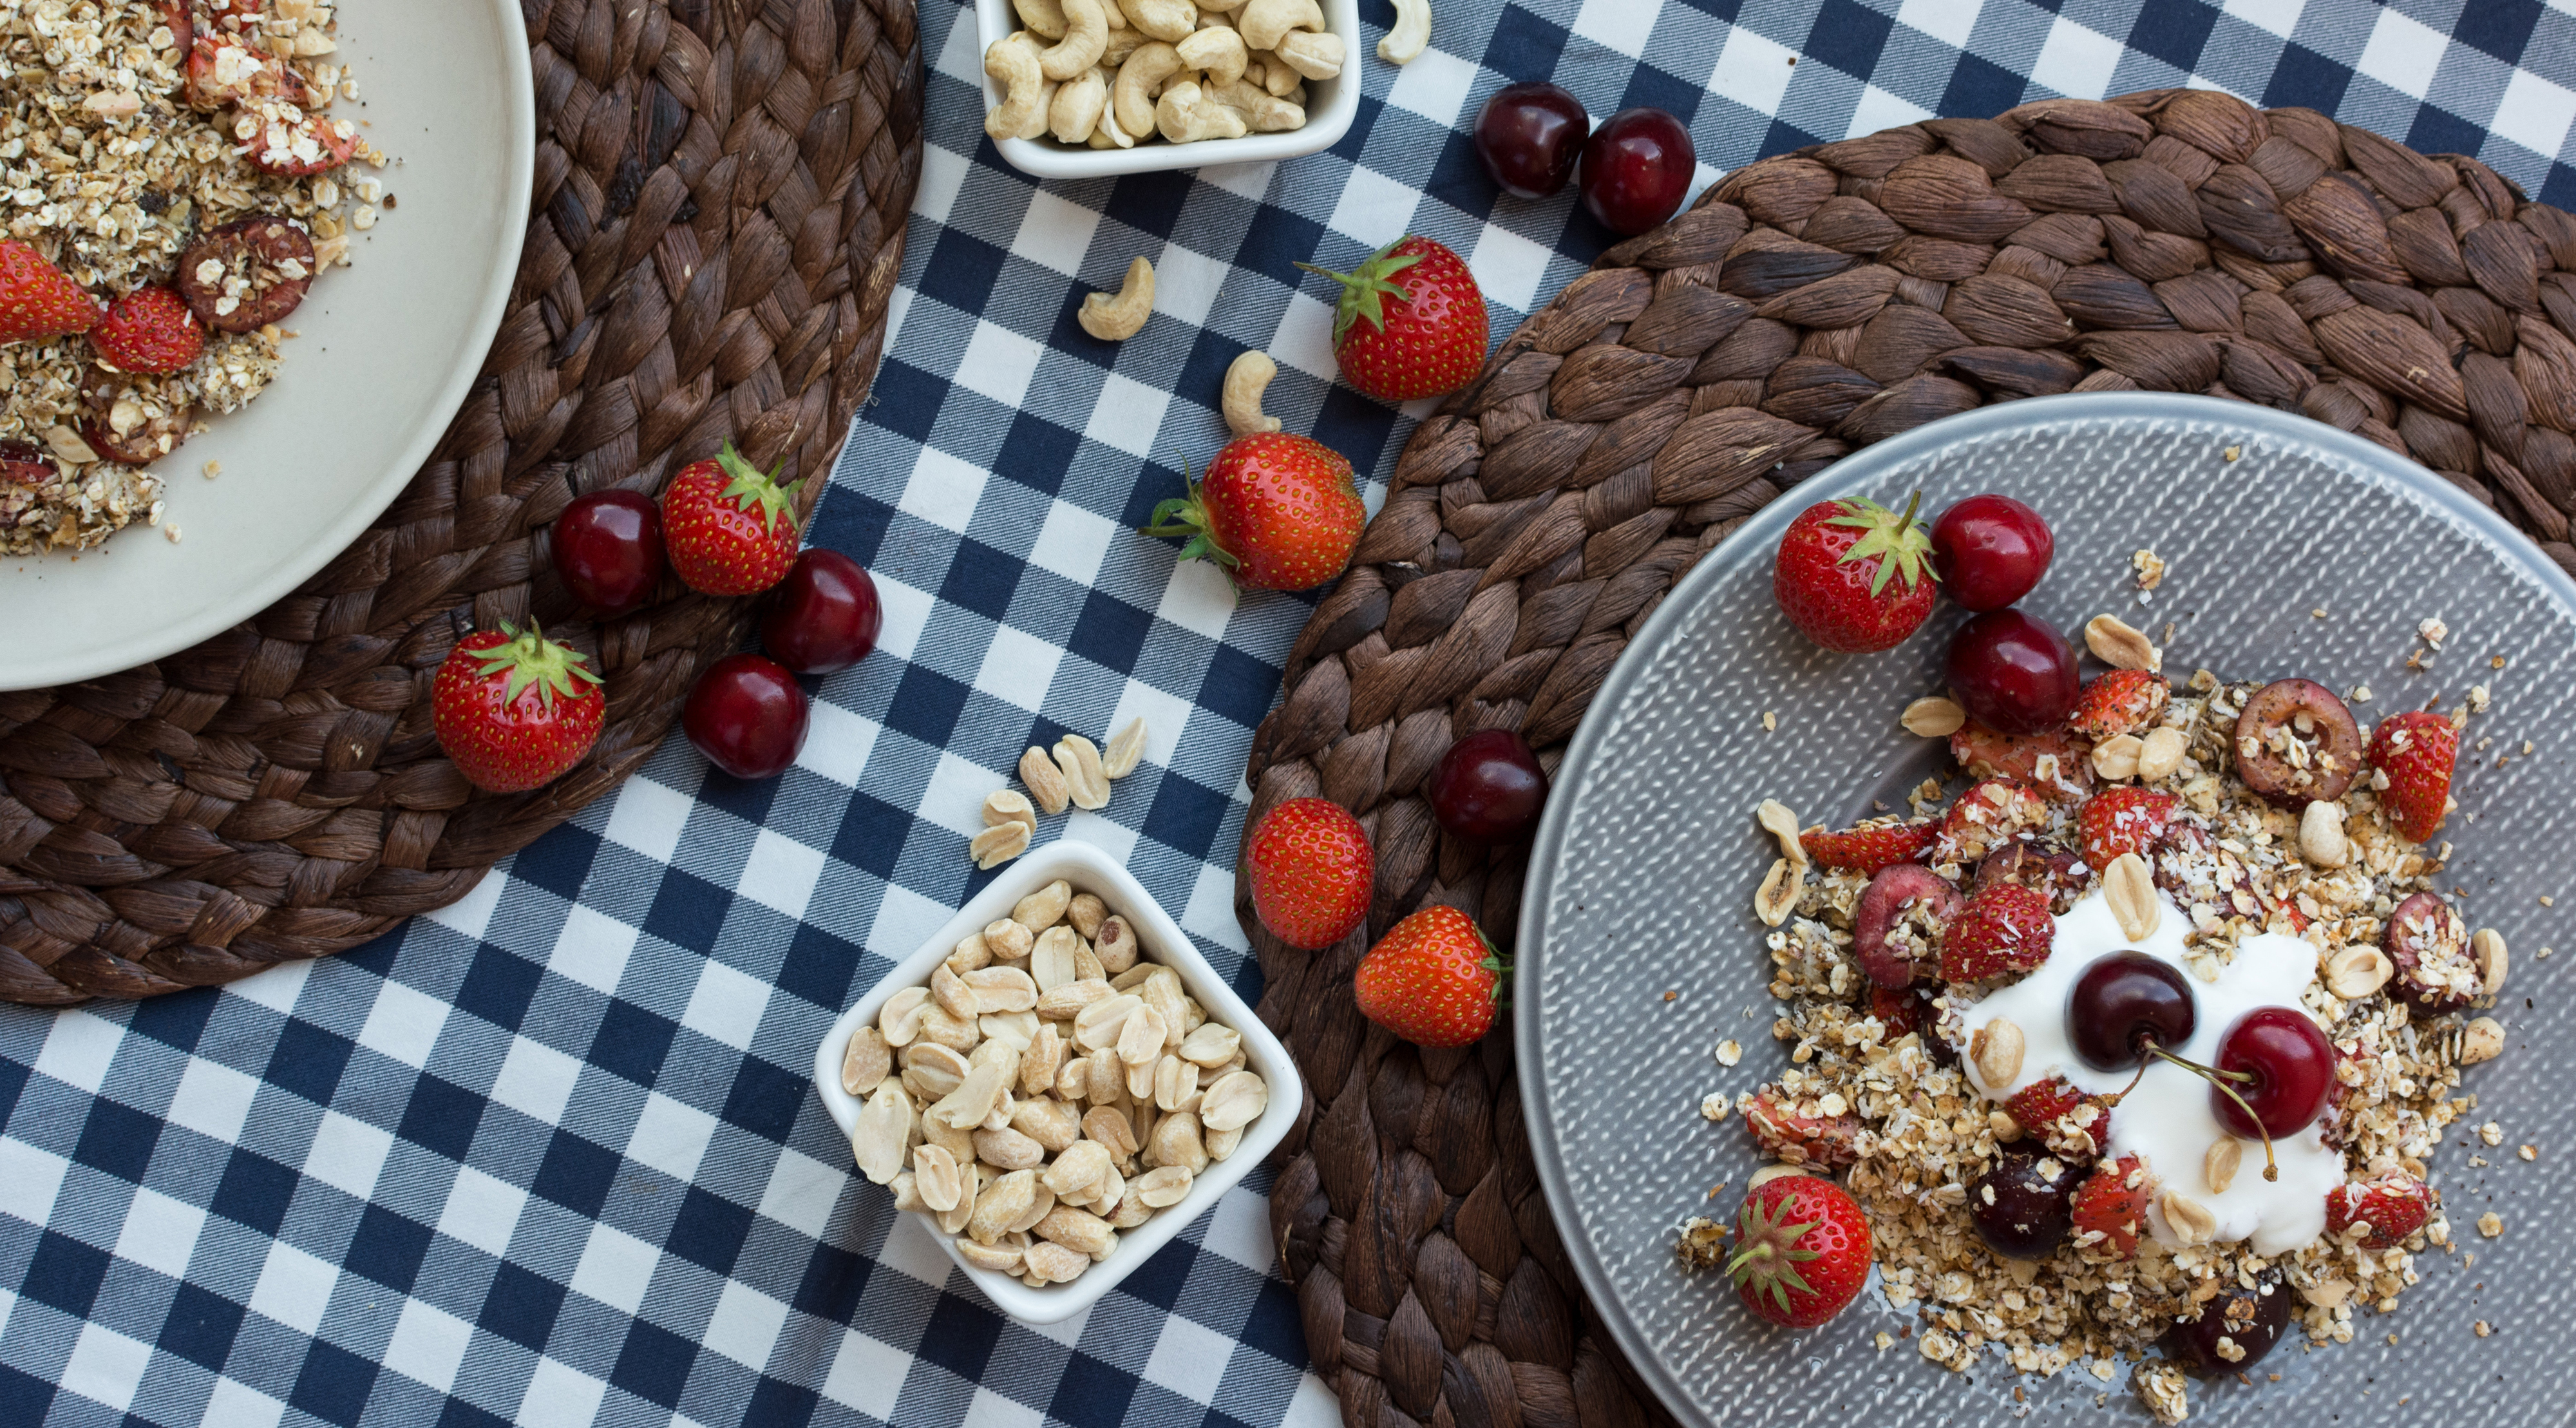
[
  {"x": 2491, "y": 1224},
  {"x": 1729, "y": 1052},
  {"x": 2150, "y": 567},
  {"x": 1781, "y": 824},
  {"x": 1778, "y": 895}
]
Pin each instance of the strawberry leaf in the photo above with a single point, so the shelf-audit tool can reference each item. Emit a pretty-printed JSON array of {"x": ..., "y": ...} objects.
[
  {"x": 1899, "y": 544},
  {"x": 532, "y": 659},
  {"x": 749, "y": 487},
  {"x": 1365, "y": 289}
]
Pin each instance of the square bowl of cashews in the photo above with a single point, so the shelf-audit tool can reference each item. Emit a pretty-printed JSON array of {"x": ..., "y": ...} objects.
[
  {"x": 1057, "y": 1083},
  {"x": 1089, "y": 88}
]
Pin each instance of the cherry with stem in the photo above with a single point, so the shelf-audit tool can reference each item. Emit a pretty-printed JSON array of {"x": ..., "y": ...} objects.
[{"x": 2217, "y": 1079}]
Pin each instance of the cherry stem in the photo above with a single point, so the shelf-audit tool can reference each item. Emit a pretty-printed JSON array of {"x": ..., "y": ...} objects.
[{"x": 2219, "y": 1079}]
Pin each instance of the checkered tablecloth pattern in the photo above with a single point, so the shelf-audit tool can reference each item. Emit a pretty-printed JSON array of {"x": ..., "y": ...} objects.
[{"x": 550, "y": 1158}]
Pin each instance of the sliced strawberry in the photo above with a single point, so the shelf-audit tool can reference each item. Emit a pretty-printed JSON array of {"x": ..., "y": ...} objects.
[
  {"x": 1796, "y": 1135},
  {"x": 293, "y": 144},
  {"x": 2056, "y": 872},
  {"x": 2124, "y": 701},
  {"x": 2110, "y": 1207},
  {"x": 2069, "y": 1121},
  {"x": 2054, "y": 762},
  {"x": 2387, "y": 1209},
  {"x": 1986, "y": 817},
  {"x": 2005, "y": 928},
  {"x": 2416, "y": 752},
  {"x": 2123, "y": 820},
  {"x": 1868, "y": 848}
]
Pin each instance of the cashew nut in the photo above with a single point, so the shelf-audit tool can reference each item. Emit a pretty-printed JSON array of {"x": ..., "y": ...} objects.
[
  {"x": 1168, "y": 20},
  {"x": 1109, "y": 135},
  {"x": 1086, "y": 38},
  {"x": 1186, "y": 115},
  {"x": 1139, "y": 80},
  {"x": 1412, "y": 32},
  {"x": 1122, "y": 43},
  {"x": 1264, "y": 21},
  {"x": 1245, "y": 382},
  {"x": 1262, "y": 112},
  {"x": 1079, "y": 103},
  {"x": 1013, "y": 64},
  {"x": 1282, "y": 81},
  {"x": 1219, "y": 51},
  {"x": 1312, "y": 55},
  {"x": 1115, "y": 319},
  {"x": 1043, "y": 17}
]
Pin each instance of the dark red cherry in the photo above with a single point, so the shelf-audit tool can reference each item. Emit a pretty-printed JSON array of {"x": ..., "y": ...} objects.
[
  {"x": 2013, "y": 672},
  {"x": 1488, "y": 788},
  {"x": 747, "y": 715},
  {"x": 1990, "y": 550},
  {"x": 2020, "y": 1209},
  {"x": 2123, "y": 1001},
  {"x": 1529, "y": 136},
  {"x": 1899, "y": 919},
  {"x": 607, "y": 549},
  {"x": 1636, "y": 169},
  {"x": 826, "y": 614},
  {"x": 2292, "y": 1069},
  {"x": 2250, "y": 1320}
]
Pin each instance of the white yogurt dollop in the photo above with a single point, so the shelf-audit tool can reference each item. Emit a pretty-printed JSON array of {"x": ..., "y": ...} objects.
[{"x": 2167, "y": 1122}]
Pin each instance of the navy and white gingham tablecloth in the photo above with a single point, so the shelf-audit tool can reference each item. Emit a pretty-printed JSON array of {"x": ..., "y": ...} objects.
[{"x": 550, "y": 1158}]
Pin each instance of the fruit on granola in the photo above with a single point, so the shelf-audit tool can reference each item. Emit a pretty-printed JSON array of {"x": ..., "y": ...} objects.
[
  {"x": 2004, "y": 928},
  {"x": 2297, "y": 743},
  {"x": 2389, "y": 1206},
  {"x": 2416, "y": 751},
  {"x": 1985, "y": 817},
  {"x": 1637, "y": 168},
  {"x": 2427, "y": 941},
  {"x": 1309, "y": 865},
  {"x": 2067, "y": 1120},
  {"x": 1529, "y": 136},
  {"x": 607, "y": 551},
  {"x": 1898, "y": 922},
  {"x": 247, "y": 273},
  {"x": 513, "y": 710},
  {"x": 2055, "y": 872},
  {"x": 826, "y": 616},
  {"x": 2124, "y": 1003},
  {"x": 150, "y": 331},
  {"x": 2020, "y": 1206},
  {"x": 1801, "y": 1133},
  {"x": 1855, "y": 576},
  {"x": 2052, "y": 761},
  {"x": 2124, "y": 701},
  {"x": 2234, "y": 1331},
  {"x": 2286, "y": 1064},
  {"x": 1433, "y": 979},
  {"x": 1276, "y": 511},
  {"x": 24, "y": 463},
  {"x": 38, "y": 301},
  {"x": 1488, "y": 788},
  {"x": 1802, "y": 1250},
  {"x": 729, "y": 528},
  {"x": 2112, "y": 1203},
  {"x": 225, "y": 67},
  {"x": 2123, "y": 819},
  {"x": 1867, "y": 850},
  {"x": 130, "y": 420},
  {"x": 293, "y": 144},
  {"x": 1410, "y": 323},
  {"x": 2012, "y": 671},
  {"x": 747, "y": 715},
  {"x": 1991, "y": 550}
]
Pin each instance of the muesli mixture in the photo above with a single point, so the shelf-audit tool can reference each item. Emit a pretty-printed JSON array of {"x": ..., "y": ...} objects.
[
  {"x": 1956, "y": 979},
  {"x": 172, "y": 178}
]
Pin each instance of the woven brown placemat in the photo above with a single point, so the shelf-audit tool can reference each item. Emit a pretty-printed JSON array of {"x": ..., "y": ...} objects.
[
  {"x": 717, "y": 224},
  {"x": 1810, "y": 304}
]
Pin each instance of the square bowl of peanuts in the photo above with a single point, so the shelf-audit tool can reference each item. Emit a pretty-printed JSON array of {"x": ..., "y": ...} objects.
[
  {"x": 1057, "y": 1082},
  {"x": 1091, "y": 88}
]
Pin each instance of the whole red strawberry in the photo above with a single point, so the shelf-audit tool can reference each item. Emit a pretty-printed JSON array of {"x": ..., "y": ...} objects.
[
  {"x": 2122, "y": 820},
  {"x": 2004, "y": 928},
  {"x": 1866, "y": 850},
  {"x": 37, "y": 301},
  {"x": 514, "y": 710},
  {"x": 1801, "y": 1251},
  {"x": 2416, "y": 751},
  {"x": 2392, "y": 1206},
  {"x": 1854, "y": 576},
  {"x": 1423, "y": 336},
  {"x": 1433, "y": 979},
  {"x": 1276, "y": 511},
  {"x": 728, "y": 529},
  {"x": 1309, "y": 866},
  {"x": 2112, "y": 1202},
  {"x": 149, "y": 330},
  {"x": 2124, "y": 701},
  {"x": 2067, "y": 1120},
  {"x": 1800, "y": 1133}
]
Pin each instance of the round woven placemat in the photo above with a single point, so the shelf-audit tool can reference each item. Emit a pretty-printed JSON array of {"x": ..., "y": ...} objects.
[
  {"x": 717, "y": 225},
  {"x": 1809, "y": 304}
]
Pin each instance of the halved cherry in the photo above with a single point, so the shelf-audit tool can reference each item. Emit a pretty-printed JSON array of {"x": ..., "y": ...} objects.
[
  {"x": 2297, "y": 743},
  {"x": 2058, "y": 873},
  {"x": 270, "y": 257},
  {"x": 1893, "y": 927},
  {"x": 2428, "y": 943},
  {"x": 24, "y": 463},
  {"x": 130, "y": 420}
]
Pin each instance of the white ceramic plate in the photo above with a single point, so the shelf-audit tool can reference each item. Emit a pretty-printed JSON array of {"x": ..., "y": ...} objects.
[{"x": 389, "y": 347}]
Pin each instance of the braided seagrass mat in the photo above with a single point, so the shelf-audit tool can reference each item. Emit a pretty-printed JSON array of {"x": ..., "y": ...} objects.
[
  {"x": 1808, "y": 305},
  {"x": 717, "y": 225}
]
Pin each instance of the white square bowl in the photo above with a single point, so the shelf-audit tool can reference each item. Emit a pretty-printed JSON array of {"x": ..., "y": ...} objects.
[
  {"x": 1331, "y": 104},
  {"x": 1089, "y": 870}
]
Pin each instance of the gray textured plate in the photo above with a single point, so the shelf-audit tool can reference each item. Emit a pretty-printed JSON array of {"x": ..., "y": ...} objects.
[{"x": 1643, "y": 878}]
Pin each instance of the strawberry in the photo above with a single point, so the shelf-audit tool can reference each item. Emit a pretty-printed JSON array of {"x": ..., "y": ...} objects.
[
  {"x": 514, "y": 710},
  {"x": 2054, "y": 763},
  {"x": 1423, "y": 337},
  {"x": 2110, "y": 1207},
  {"x": 1868, "y": 849},
  {"x": 2416, "y": 751},
  {"x": 2124, "y": 701},
  {"x": 24, "y": 463},
  {"x": 2120, "y": 820},
  {"x": 2004, "y": 928},
  {"x": 2388, "y": 1208},
  {"x": 1838, "y": 576},
  {"x": 294, "y": 144},
  {"x": 1801, "y": 1134},
  {"x": 1802, "y": 1250},
  {"x": 37, "y": 301},
  {"x": 1276, "y": 511},
  {"x": 1309, "y": 866},
  {"x": 1433, "y": 979},
  {"x": 149, "y": 330},
  {"x": 2069, "y": 1121},
  {"x": 225, "y": 68},
  {"x": 728, "y": 529},
  {"x": 1987, "y": 816}
]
